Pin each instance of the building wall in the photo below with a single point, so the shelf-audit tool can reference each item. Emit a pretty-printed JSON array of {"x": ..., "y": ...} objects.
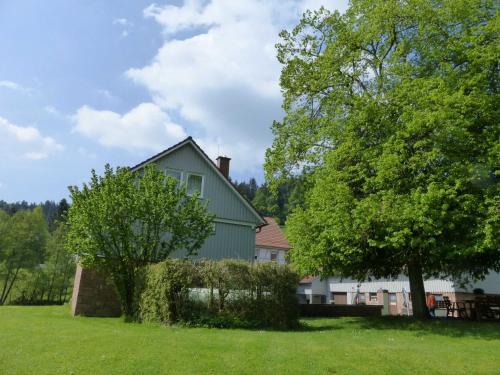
[
  {"x": 228, "y": 242},
  {"x": 234, "y": 235},
  {"x": 235, "y": 223},
  {"x": 441, "y": 288},
  {"x": 393, "y": 286},
  {"x": 264, "y": 255},
  {"x": 222, "y": 200},
  {"x": 94, "y": 294}
]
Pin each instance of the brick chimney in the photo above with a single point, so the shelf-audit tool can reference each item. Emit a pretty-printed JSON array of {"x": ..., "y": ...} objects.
[{"x": 223, "y": 165}]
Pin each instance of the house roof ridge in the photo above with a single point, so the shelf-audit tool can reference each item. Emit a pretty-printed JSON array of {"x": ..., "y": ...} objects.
[{"x": 190, "y": 140}]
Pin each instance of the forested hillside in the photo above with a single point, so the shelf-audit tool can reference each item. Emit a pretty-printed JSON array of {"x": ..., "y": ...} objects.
[
  {"x": 35, "y": 268},
  {"x": 278, "y": 204}
]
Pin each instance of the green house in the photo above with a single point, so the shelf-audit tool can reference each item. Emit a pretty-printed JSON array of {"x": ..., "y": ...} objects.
[{"x": 236, "y": 220}]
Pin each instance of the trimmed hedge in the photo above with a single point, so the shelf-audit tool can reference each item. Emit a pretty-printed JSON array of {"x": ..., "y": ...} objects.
[{"x": 227, "y": 293}]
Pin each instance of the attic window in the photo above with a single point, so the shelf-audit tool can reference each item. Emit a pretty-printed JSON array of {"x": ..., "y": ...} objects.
[
  {"x": 174, "y": 173},
  {"x": 194, "y": 184}
]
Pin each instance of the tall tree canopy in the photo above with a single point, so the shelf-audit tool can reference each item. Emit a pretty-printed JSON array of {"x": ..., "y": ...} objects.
[
  {"x": 124, "y": 220},
  {"x": 394, "y": 106}
]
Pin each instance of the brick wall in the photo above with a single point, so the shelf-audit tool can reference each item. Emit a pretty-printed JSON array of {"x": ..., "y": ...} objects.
[{"x": 94, "y": 295}]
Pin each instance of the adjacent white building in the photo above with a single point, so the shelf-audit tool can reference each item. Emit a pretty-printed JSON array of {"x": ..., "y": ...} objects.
[
  {"x": 341, "y": 291},
  {"x": 271, "y": 243}
]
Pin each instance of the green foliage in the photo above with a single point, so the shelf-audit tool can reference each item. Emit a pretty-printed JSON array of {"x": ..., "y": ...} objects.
[
  {"x": 50, "y": 281},
  {"x": 280, "y": 202},
  {"x": 227, "y": 293},
  {"x": 52, "y": 211},
  {"x": 34, "y": 266},
  {"x": 247, "y": 189},
  {"x": 393, "y": 106},
  {"x": 23, "y": 238},
  {"x": 165, "y": 293},
  {"x": 122, "y": 220}
]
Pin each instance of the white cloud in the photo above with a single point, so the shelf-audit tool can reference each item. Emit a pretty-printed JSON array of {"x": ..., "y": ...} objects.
[
  {"x": 53, "y": 111},
  {"x": 145, "y": 127},
  {"x": 106, "y": 94},
  {"x": 25, "y": 142},
  {"x": 122, "y": 22},
  {"x": 15, "y": 86},
  {"x": 125, "y": 24},
  {"x": 217, "y": 73},
  {"x": 224, "y": 79}
]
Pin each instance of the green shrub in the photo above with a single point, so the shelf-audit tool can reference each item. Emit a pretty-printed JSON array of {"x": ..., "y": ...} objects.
[
  {"x": 164, "y": 291},
  {"x": 227, "y": 293}
]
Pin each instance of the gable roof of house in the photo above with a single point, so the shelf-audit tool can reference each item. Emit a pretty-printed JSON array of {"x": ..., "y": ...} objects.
[
  {"x": 189, "y": 140},
  {"x": 271, "y": 236},
  {"x": 307, "y": 280}
]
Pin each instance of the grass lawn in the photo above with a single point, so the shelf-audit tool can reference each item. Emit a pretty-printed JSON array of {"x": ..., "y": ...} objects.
[{"x": 47, "y": 340}]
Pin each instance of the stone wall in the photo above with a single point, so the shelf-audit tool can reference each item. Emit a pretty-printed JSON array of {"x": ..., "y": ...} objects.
[{"x": 94, "y": 295}]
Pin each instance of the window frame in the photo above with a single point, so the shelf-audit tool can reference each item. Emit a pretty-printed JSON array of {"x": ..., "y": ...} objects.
[
  {"x": 395, "y": 299},
  {"x": 202, "y": 189},
  {"x": 180, "y": 171}
]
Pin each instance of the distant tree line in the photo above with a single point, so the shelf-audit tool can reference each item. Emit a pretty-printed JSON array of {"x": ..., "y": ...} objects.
[
  {"x": 34, "y": 265},
  {"x": 278, "y": 204},
  {"x": 52, "y": 211}
]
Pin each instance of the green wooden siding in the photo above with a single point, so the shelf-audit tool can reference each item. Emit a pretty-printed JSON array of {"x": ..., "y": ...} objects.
[
  {"x": 223, "y": 202},
  {"x": 231, "y": 240}
]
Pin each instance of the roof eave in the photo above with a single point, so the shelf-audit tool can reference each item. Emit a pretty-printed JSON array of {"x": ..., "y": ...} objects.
[{"x": 190, "y": 140}]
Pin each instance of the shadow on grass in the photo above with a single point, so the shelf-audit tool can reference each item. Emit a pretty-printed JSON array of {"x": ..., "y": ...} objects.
[{"x": 442, "y": 327}]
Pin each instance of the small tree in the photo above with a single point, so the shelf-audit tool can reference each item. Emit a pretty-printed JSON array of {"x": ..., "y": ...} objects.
[
  {"x": 59, "y": 265},
  {"x": 124, "y": 220},
  {"x": 23, "y": 240}
]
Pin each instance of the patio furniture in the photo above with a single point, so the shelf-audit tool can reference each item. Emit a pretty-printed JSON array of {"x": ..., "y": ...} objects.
[
  {"x": 487, "y": 307},
  {"x": 455, "y": 309}
]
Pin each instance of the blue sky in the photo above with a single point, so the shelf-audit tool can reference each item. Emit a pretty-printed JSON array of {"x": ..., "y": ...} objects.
[{"x": 84, "y": 83}]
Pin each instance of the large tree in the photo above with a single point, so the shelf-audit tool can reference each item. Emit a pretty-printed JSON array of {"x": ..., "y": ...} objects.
[
  {"x": 122, "y": 220},
  {"x": 394, "y": 107}
]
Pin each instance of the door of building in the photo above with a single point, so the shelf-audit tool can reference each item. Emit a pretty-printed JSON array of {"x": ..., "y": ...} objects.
[{"x": 339, "y": 298}]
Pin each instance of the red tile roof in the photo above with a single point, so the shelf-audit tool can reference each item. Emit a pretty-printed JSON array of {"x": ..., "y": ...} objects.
[
  {"x": 272, "y": 236},
  {"x": 307, "y": 280}
]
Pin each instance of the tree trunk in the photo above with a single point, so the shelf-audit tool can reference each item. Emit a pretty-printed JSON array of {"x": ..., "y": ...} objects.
[
  {"x": 125, "y": 285},
  {"x": 417, "y": 289},
  {"x": 9, "y": 287},
  {"x": 3, "y": 295},
  {"x": 53, "y": 276}
]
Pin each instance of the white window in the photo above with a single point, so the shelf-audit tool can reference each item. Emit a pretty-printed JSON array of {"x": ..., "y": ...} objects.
[
  {"x": 274, "y": 256},
  {"x": 392, "y": 298},
  {"x": 194, "y": 184},
  {"x": 373, "y": 297}
]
